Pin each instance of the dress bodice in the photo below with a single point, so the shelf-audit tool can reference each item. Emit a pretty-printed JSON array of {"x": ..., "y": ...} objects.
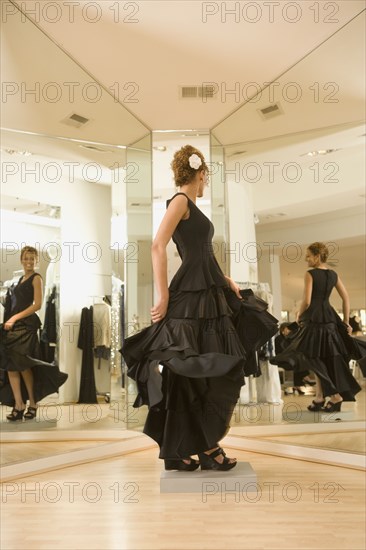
[
  {"x": 193, "y": 239},
  {"x": 320, "y": 310},
  {"x": 19, "y": 297}
]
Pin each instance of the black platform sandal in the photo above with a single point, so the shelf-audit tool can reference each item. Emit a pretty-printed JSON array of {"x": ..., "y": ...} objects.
[
  {"x": 331, "y": 407},
  {"x": 31, "y": 413},
  {"x": 179, "y": 464},
  {"x": 298, "y": 391},
  {"x": 208, "y": 461},
  {"x": 316, "y": 405},
  {"x": 308, "y": 382},
  {"x": 15, "y": 415}
]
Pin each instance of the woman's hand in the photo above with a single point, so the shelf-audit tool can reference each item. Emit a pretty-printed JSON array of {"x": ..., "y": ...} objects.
[
  {"x": 9, "y": 325},
  {"x": 349, "y": 328},
  {"x": 158, "y": 311},
  {"x": 234, "y": 287}
]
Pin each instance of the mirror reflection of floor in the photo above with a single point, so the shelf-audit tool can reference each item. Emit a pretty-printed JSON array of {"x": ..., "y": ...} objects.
[
  {"x": 349, "y": 442},
  {"x": 122, "y": 415},
  {"x": 291, "y": 424},
  {"x": 11, "y": 453}
]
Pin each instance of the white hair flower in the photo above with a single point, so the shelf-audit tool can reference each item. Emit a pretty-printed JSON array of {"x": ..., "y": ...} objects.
[{"x": 195, "y": 161}]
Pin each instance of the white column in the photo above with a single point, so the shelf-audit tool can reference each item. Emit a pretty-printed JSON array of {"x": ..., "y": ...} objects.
[
  {"x": 242, "y": 249},
  {"x": 269, "y": 272}
]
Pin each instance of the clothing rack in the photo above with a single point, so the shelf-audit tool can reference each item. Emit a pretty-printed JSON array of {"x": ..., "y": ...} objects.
[
  {"x": 254, "y": 286},
  {"x": 105, "y": 299},
  {"x": 102, "y": 299}
]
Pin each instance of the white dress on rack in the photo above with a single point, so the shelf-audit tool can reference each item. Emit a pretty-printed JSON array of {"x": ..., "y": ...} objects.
[{"x": 267, "y": 387}]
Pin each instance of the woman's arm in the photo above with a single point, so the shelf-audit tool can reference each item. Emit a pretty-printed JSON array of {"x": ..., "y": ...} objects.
[
  {"x": 175, "y": 212},
  {"x": 341, "y": 289},
  {"x": 37, "y": 303},
  {"x": 234, "y": 287},
  {"x": 308, "y": 288}
]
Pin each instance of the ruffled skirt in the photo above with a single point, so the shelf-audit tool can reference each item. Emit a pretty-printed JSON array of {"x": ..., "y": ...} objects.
[
  {"x": 203, "y": 344},
  {"x": 326, "y": 349},
  {"x": 19, "y": 350}
]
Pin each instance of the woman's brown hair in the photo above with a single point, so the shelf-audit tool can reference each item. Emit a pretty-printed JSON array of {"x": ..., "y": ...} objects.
[
  {"x": 320, "y": 249},
  {"x": 183, "y": 172},
  {"x": 28, "y": 250}
]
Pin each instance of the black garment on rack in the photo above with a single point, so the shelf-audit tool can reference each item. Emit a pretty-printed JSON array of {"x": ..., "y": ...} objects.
[
  {"x": 88, "y": 391},
  {"x": 49, "y": 331},
  {"x": 122, "y": 333}
]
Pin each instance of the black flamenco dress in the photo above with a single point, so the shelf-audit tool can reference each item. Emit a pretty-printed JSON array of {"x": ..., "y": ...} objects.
[
  {"x": 321, "y": 343},
  {"x": 203, "y": 344},
  {"x": 20, "y": 348}
]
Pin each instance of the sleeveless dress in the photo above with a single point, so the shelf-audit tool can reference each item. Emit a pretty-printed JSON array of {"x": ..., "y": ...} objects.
[
  {"x": 20, "y": 347},
  {"x": 322, "y": 343},
  {"x": 203, "y": 344}
]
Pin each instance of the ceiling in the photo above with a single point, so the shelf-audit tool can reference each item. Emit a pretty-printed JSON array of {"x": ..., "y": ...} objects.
[{"x": 121, "y": 66}]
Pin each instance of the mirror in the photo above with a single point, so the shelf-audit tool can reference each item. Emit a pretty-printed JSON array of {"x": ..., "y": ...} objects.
[
  {"x": 131, "y": 266},
  {"x": 219, "y": 202},
  {"x": 64, "y": 147},
  {"x": 294, "y": 165},
  {"x": 86, "y": 147}
]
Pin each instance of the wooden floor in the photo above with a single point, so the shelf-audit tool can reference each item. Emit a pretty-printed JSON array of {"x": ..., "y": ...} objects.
[{"x": 116, "y": 504}]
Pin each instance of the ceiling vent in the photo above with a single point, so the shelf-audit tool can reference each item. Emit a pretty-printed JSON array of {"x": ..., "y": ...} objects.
[
  {"x": 271, "y": 111},
  {"x": 75, "y": 120},
  {"x": 208, "y": 91}
]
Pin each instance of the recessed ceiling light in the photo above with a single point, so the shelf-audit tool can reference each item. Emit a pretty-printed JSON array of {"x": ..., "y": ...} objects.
[
  {"x": 319, "y": 152},
  {"x": 16, "y": 152}
]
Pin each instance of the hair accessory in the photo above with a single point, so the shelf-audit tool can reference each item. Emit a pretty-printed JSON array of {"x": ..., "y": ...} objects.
[{"x": 194, "y": 161}]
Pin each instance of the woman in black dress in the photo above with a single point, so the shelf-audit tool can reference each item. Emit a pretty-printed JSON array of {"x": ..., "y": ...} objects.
[
  {"x": 20, "y": 348},
  {"x": 197, "y": 335},
  {"x": 322, "y": 343}
]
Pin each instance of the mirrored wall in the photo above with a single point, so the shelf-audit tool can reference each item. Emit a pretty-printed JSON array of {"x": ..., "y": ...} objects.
[
  {"x": 294, "y": 160},
  {"x": 281, "y": 166},
  {"x": 76, "y": 167}
]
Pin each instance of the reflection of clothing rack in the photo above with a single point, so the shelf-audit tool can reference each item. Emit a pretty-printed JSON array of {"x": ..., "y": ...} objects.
[
  {"x": 95, "y": 341},
  {"x": 254, "y": 286},
  {"x": 49, "y": 330},
  {"x": 100, "y": 299},
  {"x": 266, "y": 386}
]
